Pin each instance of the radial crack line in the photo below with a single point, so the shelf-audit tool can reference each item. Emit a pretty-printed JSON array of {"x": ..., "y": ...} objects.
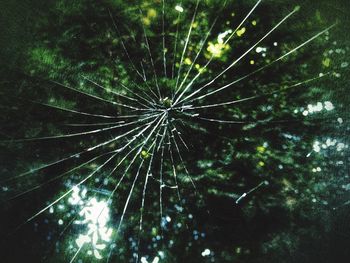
[
  {"x": 150, "y": 55},
  {"x": 69, "y": 191},
  {"x": 97, "y": 97},
  {"x": 200, "y": 50},
  {"x": 81, "y": 133},
  {"x": 175, "y": 45},
  {"x": 257, "y": 96},
  {"x": 56, "y": 177},
  {"x": 124, "y": 47},
  {"x": 74, "y": 111},
  {"x": 212, "y": 56},
  {"x": 75, "y": 155},
  {"x": 259, "y": 69},
  {"x": 186, "y": 43},
  {"x": 243, "y": 55}
]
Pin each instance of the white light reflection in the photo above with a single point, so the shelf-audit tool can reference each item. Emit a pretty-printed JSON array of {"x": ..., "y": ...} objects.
[
  {"x": 328, "y": 143},
  {"x": 155, "y": 260},
  {"x": 318, "y": 107},
  {"x": 206, "y": 252},
  {"x": 94, "y": 214},
  {"x": 179, "y": 8}
]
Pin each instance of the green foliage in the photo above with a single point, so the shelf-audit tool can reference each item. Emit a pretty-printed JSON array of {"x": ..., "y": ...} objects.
[{"x": 76, "y": 43}]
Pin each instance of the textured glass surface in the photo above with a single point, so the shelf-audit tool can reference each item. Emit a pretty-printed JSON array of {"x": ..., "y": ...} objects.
[{"x": 174, "y": 131}]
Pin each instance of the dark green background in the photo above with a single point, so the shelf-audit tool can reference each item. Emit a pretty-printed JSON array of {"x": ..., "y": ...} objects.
[{"x": 263, "y": 227}]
